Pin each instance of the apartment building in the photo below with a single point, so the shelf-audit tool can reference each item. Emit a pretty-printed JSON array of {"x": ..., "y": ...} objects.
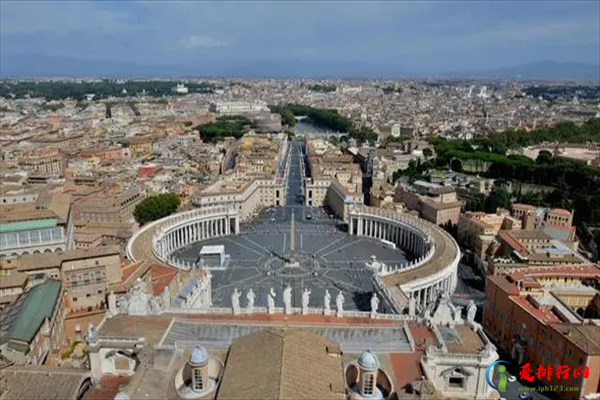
[
  {"x": 435, "y": 203},
  {"x": 333, "y": 179},
  {"x": 238, "y": 108},
  {"x": 141, "y": 147},
  {"x": 476, "y": 231},
  {"x": 257, "y": 180},
  {"x": 48, "y": 161},
  {"x": 549, "y": 317},
  {"x": 85, "y": 274},
  {"x": 248, "y": 194},
  {"x": 529, "y": 248},
  {"x": 557, "y": 222},
  {"x": 114, "y": 205}
]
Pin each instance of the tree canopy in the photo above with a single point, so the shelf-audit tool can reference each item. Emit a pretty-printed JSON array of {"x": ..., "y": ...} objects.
[
  {"x": 577, "y": 186},
  {"x": 156, "y": 207},
  {"x": 52, "y": 90},
  {"x": 322, "y": 88},
  {"x": 235, "y": 126}
]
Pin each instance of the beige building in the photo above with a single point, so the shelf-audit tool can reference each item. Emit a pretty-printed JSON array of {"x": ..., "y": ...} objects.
[
  {"x": 530, "y": 248},
  {"x": 435, "y": 203},
  {"x": 115, "y": 205},
  {"x": 257, "y": 180},
  {"x": 85, "y": 274},
  {"x": 548, "y": 316},
  {"x": 334, "y": 180},
  {"x": 477, "y": 231},
  {"x": 141, "y": 147},
  {"x": 44, "y": 162}
]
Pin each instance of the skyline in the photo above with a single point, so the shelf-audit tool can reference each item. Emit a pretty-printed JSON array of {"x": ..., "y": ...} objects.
[{"x": 404, "y": 36}]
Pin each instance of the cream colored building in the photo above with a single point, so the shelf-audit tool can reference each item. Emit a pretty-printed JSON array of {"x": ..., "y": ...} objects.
[
  {"x": 435, "y": 203},
  {"x": 257, "y": 180},
  {"x": 85, "y": 273},
  {"x": 477, "y": 231},
  {"x": 334, "y": 180}
]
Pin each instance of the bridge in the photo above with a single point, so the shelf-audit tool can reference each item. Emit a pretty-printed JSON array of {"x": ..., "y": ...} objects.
[{"x": 300, "y": 117}]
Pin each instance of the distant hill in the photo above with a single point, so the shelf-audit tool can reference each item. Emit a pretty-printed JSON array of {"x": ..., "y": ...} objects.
[
  {"x": 539, "y": 70},
  {"x": 12, "y": 65},
  {"x": 23, "y": 65},
  {"x": 47, "y": 66}
]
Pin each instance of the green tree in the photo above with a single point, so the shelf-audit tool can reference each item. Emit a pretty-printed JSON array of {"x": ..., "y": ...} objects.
[
  {"x": 456, "y": 165},
  {"x": 498, "y": 198},
  {"x": 427, "y": 153},
  {"x": 544, "y": 157},
  {"x": 156, "y": 207}
]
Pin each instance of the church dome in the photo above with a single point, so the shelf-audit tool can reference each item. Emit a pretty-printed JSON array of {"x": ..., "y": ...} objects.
[
  {"x": 368, "y": 361},
  {"x": 122, "y": 396},
  {"x": 199, "y": 356}
]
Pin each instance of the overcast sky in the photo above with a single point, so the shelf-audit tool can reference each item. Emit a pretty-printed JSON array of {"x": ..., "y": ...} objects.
[{"x": 417, "y": 35}]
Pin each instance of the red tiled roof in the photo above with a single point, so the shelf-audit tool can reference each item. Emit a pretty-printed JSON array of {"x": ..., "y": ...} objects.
[
  {"x": 590, "y": 270},
  {"x": 561, "y": 211},
  {"x": 161, "y": 277},
  {"x": 513, "y": 243},
  {"x": 108, "y": 387},
  {"x": 407, "y": 368},
  {"x": 129, "y": 270},
  {"x": 544, "y": 314}
]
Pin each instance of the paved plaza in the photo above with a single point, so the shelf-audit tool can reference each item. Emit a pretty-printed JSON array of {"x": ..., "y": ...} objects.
[{"x": 329, "y": 258}]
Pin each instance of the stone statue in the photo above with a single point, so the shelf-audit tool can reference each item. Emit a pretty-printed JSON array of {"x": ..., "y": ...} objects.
[
  {"x": 305, "y": 300},
  {"x": 471, "y": 311},
  {"x": 112, "y": 304},
  {"x": 235, "y": 301},
  {"x": 339, "y": 301},
  {"x": 91, "y": 335},
  {"x": 139, "y": 300},
  {"x": 427, "y": 312},
  {"x": 287, "y": 299},
  {"x": 412, "y": 306},
  {"x": 166, "y": 298},
  {"x": 327, "y": 302},
  {"x": 458, "y": 315},
  {"x": 250, "y": 297},
  {"x": 271, "y": 301},
  {"x": 374, "y": 304}
]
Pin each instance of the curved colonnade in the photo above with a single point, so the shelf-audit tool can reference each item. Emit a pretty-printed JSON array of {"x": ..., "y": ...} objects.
[
  {"x": 437, "y": 254},
  {"x": 434, "y": 268},
  {"x": 159, "y": 239}
]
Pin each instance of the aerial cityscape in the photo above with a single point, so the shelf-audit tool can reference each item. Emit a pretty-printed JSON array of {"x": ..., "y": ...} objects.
[{"x": 345, "y": 212}]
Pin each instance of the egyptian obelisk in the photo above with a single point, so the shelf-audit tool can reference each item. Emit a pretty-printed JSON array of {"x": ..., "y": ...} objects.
[{"x": 292, "y": 261}]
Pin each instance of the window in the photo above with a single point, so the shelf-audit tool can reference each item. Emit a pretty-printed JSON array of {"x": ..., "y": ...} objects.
[
  {"x": 197, "y": 380},
  {"x": 88, "y": 295},
  {"x": 455, "y": 382},
  {"x": 368, "y": 385}
]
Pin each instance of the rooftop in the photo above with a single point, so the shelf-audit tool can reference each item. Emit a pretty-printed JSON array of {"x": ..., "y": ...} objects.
[
  {"x": 295, "y": 364},
  {"x": 22, "y": 319},
  {"x": 584, "y": 336},
  {"x": 43, "y": 383},
  {"x": 55, "y": 260}
]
